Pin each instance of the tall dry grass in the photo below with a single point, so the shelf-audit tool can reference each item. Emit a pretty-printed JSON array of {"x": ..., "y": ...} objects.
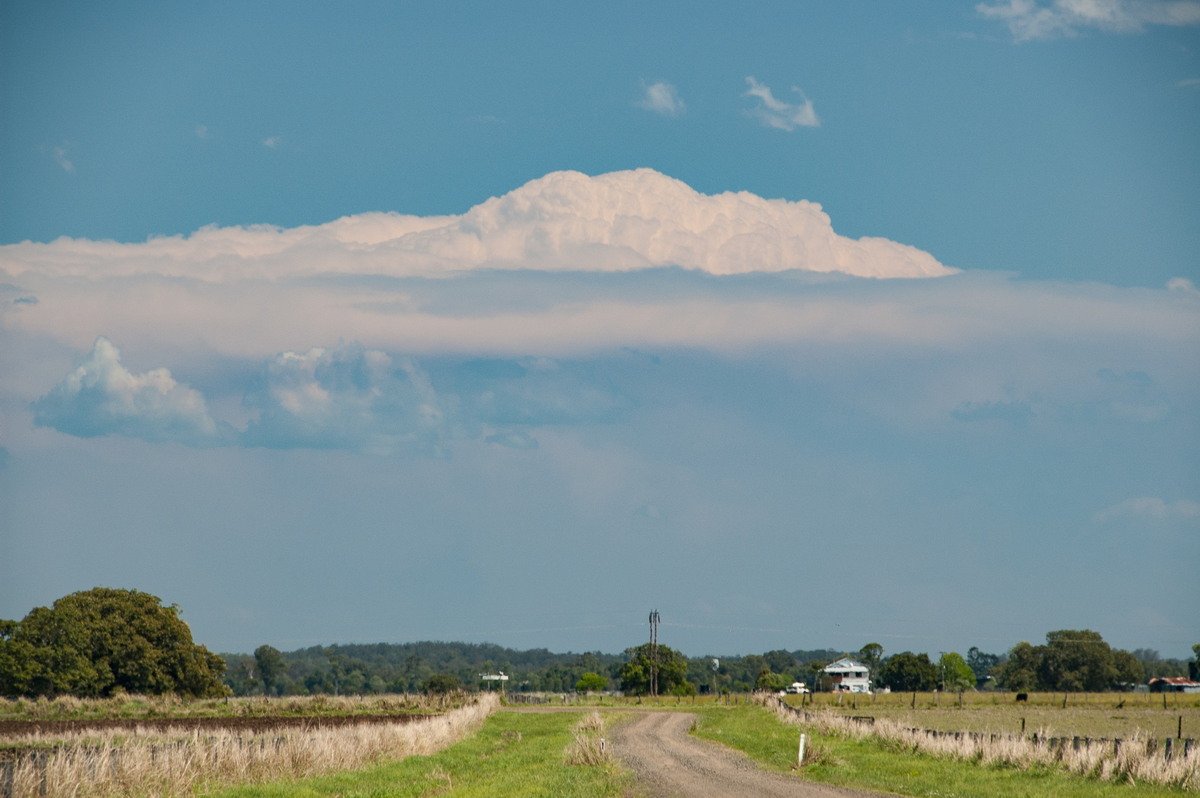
[
  {"x": 1133, "y": 760},
  {"x": 162, "y": 764},
  {"x": 588, "y": 746}
]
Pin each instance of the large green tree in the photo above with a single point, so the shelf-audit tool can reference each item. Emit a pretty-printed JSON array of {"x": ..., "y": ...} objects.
[
  {"x": 908, "y": 672},
  {"x": 1072, "y": 660},
  {"x": 271, "y": 669},
  {"x": 671, "y": 667},
  {"x": 100, "y": 641},
  {"x": 955, "y": 674}
]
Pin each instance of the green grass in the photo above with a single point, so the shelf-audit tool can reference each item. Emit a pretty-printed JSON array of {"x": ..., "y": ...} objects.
[
  {"x": 515, "y": 754},
  {"x": 869, "y": 765}
]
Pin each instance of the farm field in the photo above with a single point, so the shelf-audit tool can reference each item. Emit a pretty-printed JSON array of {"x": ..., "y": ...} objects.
[{"x": 1096, "y": 715}]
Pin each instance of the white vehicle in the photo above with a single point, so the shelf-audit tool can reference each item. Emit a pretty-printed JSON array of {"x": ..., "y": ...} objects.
[{"x": 796, "y": 688}]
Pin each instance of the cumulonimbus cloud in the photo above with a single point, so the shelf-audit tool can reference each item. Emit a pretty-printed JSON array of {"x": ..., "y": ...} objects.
[
  {"x": 565, "y": 221},
  {"x": 1031, "y": 19}
]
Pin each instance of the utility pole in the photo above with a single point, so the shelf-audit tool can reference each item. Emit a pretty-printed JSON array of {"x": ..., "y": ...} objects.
[{"x": 653, "y": 653}]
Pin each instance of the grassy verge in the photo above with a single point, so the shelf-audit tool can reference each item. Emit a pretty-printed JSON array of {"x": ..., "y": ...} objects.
[
  {"x": 871, "y": 765},
  {"x": 514, "y": 754}
]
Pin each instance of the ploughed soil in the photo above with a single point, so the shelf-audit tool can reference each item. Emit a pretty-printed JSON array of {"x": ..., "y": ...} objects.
[{"x": 249, "y": 725}]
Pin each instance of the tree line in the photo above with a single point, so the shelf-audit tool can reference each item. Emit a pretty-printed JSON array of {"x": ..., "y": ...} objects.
[{"x": 105, "y": 641}]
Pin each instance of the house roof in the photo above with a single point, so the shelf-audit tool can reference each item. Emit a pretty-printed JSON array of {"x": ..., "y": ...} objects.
[
  {"x": 845, "y": 664},
  {"x": 1178, "y": 681}
]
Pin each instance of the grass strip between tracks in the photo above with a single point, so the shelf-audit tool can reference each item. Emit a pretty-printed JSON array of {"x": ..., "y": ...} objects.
[{"x": 869, "y": 765}]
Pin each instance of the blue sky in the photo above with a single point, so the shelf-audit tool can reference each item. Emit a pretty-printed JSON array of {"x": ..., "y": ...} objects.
[{"x": 381, "y": 322}]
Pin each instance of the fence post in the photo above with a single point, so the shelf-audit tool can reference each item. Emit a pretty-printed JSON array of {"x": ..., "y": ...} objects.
[
  {"x": 800, "y": 754},
  {"x": 6, "y": 778},
  {"x": 1169, "y": 749}
]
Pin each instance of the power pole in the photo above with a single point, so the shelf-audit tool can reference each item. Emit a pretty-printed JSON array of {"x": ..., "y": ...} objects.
[{"x": 653, "y": 653}]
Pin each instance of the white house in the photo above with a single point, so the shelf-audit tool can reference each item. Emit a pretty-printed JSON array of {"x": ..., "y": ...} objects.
[{"x": 849, "y": 676}]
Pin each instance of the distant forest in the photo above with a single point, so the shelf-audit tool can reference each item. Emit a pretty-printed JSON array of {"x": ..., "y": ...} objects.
[
  {"x": 416, "y": 667},
  {"x": 409, "y": 667}
]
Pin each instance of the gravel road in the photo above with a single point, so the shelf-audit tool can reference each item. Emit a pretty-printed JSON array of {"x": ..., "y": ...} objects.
[{"x": 668, "y": 762}]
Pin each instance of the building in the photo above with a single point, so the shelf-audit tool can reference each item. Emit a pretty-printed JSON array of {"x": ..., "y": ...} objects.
[
  {"x": 1173, "y": 684},
  {"x": 849, "y": 676}
]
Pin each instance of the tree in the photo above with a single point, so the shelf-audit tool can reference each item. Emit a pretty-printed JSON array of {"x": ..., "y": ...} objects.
[
  {"x": 271, "y": 668},
  {"x": 1075, "y": 660},
  {"x": 956, "y": 674},
  {"x": 96, "y": 642},
  {"x": 871, "y": 655},
  {"x": 442, "y": 683},
  {"x": 771, "y": 681},
  {"x": 1020, "y": 671},
  {"x": 909, "y": 672},
  {"x": 591, "y": 683},
  {"x": 1194, "y": 665},
  {"x": 636, "y": 672},
  {"x": 981, "y": 664}
]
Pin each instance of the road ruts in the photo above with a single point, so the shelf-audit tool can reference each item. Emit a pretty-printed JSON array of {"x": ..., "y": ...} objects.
[{"x": 668, "y": 762}]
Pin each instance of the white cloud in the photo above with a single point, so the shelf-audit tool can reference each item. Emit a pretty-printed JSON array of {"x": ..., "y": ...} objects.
[
  {"x": 60, "y": 154},
  {"x": 1186, "y": 82},
  {"x": 201, "y": 131},
  {"x": 345, "y": 398},
  {"x": 1029, "y": 19},
  {"x": 271, "y": 142},
  {"x": 778, "y": 114},
  {"x": 101, "y": 397},
  {"x": 565, "y": 221},
  {"x": 1150, "y": 507},
  {"x": 662, "y": 98}
]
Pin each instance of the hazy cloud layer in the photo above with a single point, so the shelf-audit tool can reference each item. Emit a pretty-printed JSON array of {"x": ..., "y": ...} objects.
[
  {"x": 1030, "y": 19},
  {"x": 1150, "y": 507}
]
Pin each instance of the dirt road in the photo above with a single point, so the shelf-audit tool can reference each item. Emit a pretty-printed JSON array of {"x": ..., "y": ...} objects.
[{"x": 668, "y": 762}]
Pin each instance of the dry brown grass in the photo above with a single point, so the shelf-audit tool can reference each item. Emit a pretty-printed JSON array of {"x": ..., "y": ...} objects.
[
  {"x": 156, "y": 763},
  {"x": 1132, "y": 760},
  {"x": 588, "y": 747},
  {"x": 170, "y": 706}
]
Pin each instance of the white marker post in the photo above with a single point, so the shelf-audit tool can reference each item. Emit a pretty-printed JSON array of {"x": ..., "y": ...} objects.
[{"x": 800, "y": 755}]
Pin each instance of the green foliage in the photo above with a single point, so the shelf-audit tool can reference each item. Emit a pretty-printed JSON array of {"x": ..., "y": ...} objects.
[
  {"x": 871, "y": 655},
  {"x": 591, "y": 683},
  {"x": 769, "y": 680},
  {"x": 956, "y": 675},
  {"x": 909, "y": 672},
  {"x": 97, "y": 642},
  {"x": 981, "y": 664},
  {"x": 636, "y": 674},
  {"x": 271, "y": 668},
  {"x": 1071, "y": 661},
  {"x": 441, "y": 683}
]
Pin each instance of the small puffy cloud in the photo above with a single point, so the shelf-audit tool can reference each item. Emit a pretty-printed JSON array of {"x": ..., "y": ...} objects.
[
  {"x": 201, "y": 131},
  {"x": 777, "y": 114},
  {"x": 1150, "y": 507},
  {"x": 1188, "y": 82},
  {"x": 61, "y": 155},
  {"x": 102, "y": 397},
  {"x": 661, "y": 98},
  {"x": 271, "y": 142},
  {"x": 1183, "y": 286},
  {"x": 1031, "y": 19}
]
